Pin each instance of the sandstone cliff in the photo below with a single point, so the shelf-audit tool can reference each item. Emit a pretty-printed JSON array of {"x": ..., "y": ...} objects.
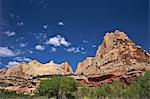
[
  {"x": 117, "y": 55},
  {"x": 117, "y": 51},
  {"x": 34, "y": 68}
]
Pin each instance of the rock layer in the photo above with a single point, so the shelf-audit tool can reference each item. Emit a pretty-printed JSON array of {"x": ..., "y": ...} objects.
[
  {"x": 116, "y": 56},
  {"x": 34, "y": 68}
]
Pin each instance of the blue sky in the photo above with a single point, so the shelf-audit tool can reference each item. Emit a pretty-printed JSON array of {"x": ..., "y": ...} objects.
[{"x": 66, "y": 30}]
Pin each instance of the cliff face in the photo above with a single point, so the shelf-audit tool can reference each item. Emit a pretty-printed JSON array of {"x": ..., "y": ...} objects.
[
  {"x": 34, "y": 68},
  {"x": 67, "y": 68},
  {"x": 116, "y": 53}
]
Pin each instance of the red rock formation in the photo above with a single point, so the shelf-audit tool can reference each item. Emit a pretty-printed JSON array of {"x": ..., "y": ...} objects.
[{"x": 116, "y": 58}]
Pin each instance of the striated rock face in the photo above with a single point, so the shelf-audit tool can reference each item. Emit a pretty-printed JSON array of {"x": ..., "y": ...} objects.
[
  {"x": 34, "y": 68},
  {"x": 117, "y": 55},
  {"x": 67, "y": 68}
]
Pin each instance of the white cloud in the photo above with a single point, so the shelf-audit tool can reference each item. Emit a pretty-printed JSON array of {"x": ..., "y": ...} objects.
[
  {"x": 21, "y": 59},
  {"x": 58, "y": 41},
  {"x": 54, "y": 41},
  {"x": 20, "y": 23},
  {"x": 40, "y": 47},
  {"x": 10, "y": 33},
  {"x": 23, "y": 44},
  {"x": 0, "y": 63},
  {"x": 70, "y": 49},
  {"x": 53, "y": 49},
  {"x": 40, "y": 36},
  {"x": 12, "y": 63},
  {"x": 85, "y": 41},
  {"x": 93, "y": 45},
  {"x": 60, "y": 23},
  {"x": 82, "y": 48},
  {"x": 5, "y": 52},
  {"x": 45, "y": 26},
  {"x": 27, "y": 59},
  {"x": 64, "y": 42},
  {"x": 76, "y": 50}
]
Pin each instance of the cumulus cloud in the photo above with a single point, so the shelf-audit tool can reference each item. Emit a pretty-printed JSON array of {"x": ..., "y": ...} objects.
[
  {"x": 58, "y": 41},
  {"x": 40, "y": 47},
  {"x": 60, "y": 23},
  {"x": 6, "y": 52},
  {"x": 54, "y": 41},
  {"x": 64, "y": 42},
  {"x": 21, "y": 59},
  {"x": 53, "y": 49},
  {"x": 0, "y": 63},
  {"x": 10, "y": 33},
  {"x": 12, "y": 63}
]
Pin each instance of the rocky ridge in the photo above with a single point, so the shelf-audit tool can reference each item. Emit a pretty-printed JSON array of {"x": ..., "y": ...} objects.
[
  {"x": 34, "y": 68},
  {"x": 117, "y": 57},
  {"x": 25, "y": 77}
]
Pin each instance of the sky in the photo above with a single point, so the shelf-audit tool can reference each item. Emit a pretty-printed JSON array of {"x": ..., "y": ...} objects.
[{"x": 66, "y": 30}]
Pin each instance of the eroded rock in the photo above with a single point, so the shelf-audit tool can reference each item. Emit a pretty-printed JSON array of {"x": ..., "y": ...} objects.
[{"x": 116, "y": 56}]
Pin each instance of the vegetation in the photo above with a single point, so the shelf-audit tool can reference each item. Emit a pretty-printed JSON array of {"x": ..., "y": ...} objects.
[
  {"x": 57, "y": 86},
  {"x": 5, "y": 94},
  {"x": 139, "y": 89},
  {"x": 67, "y": 87}
]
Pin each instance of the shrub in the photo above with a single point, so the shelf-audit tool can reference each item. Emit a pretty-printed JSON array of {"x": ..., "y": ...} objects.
[
  {"x": 83, "y": 90},
  {"x": 67, "y": 86},
  {"x": 141, "y": 87},
  {"x": 57, "y": 86}
]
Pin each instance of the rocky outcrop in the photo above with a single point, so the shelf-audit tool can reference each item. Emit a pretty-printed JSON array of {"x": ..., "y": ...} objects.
[
  {"x": 116, "y": 55},
  {"x": 20, "y": 85},
  {"x": 67, "y": 68},
  {"x": 34, "y": 68},
  {"x": 25, "y": 77}
]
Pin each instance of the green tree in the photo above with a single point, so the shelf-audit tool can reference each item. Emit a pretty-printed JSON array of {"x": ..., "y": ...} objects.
[
  {"x": 141, "y": 87},
  {"x": 57, "y": 86}
]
